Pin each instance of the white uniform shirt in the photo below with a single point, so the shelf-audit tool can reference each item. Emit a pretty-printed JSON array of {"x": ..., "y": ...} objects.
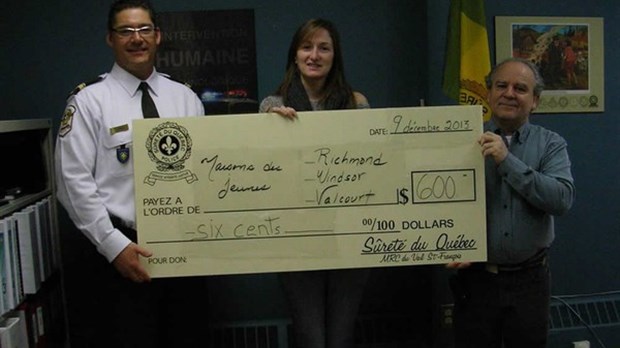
[{"x": 92, "y": 183}]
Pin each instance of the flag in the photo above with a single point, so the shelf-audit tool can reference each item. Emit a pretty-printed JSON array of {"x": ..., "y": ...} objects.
[{"x": 467, "y": 55}]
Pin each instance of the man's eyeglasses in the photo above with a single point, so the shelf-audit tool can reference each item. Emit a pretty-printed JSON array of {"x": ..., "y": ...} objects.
[{"x": 145, "y": 31}]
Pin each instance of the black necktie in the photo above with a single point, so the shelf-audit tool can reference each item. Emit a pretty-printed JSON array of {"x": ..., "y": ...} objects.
[{"x": 148, "y": 106}]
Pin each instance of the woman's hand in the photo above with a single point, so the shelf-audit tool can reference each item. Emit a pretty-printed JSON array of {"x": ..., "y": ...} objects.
[{"x": 284, "y": 111}]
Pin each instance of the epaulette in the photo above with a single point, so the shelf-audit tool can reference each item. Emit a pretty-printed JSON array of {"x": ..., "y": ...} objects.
[
  {"x": 82, "y": 85},
  {"x": 175, "y": 80}
]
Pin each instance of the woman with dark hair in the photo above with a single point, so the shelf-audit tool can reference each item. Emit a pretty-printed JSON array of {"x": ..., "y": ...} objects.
[
  {"x": 323, "y": 304},
  {"x": 314, "y": 77}
]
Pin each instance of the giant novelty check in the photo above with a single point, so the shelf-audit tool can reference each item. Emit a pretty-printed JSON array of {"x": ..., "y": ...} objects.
[{"x": 333, "y": 189}]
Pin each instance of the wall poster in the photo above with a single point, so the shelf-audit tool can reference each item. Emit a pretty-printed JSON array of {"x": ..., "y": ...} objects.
[
  {"x": 214, "y": 52},
  {"x": 569, "y": 53}
]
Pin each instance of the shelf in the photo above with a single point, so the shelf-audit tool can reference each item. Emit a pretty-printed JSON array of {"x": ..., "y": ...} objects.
[
  {"x": 23, "y": 201},
  {"x": 24, "y": 125},
  {"x": 39, "y": 294}
]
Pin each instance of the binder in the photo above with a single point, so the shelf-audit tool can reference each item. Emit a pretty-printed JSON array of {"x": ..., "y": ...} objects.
[
  {"x": 28, "y": 250},
  {"x": 10, "y": 334}
]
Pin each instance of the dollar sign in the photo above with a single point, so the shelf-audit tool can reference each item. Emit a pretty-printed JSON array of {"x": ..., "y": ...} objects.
[{"x": 403, "y": 196}]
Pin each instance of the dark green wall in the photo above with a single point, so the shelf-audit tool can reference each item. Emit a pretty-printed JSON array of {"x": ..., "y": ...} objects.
[
  {"x": 49, "y": 48},
  {"x": 394, "y": 53}
]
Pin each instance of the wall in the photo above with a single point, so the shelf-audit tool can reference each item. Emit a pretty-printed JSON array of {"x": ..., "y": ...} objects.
[
  {"x": 46, "y": 56},
  {"x": 47, "y": 48}
]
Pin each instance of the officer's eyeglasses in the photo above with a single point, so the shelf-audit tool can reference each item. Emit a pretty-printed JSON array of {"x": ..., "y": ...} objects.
[{"x": 126, "y": 32}]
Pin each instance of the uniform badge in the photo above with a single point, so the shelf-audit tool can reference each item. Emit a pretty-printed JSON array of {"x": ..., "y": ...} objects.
[
  {"x": 67, "y": 121},
  {"x": 122, "y": 154}
]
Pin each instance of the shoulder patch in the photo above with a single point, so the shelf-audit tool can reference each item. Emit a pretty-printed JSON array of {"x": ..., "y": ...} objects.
[
  {"x": 67, "y": 121},
  {"x": 82, "y": 85}
]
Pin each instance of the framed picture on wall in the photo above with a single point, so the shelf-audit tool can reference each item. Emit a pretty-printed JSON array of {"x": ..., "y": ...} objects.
[{"x": 569, "y": 54}]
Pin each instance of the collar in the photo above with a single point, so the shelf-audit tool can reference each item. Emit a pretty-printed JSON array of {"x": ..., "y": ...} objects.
[
  {"x": 130, "y": 83},
  {"x": 520, "y": 135}
]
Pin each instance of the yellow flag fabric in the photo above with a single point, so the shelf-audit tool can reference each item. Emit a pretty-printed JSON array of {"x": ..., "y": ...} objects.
[{"x": 467, "y": 55}]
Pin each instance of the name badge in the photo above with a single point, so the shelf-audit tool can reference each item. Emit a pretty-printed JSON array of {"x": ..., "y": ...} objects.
[{"x": 118, "y": 129}]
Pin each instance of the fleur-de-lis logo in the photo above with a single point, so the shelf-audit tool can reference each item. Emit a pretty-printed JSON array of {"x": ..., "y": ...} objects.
[{"x": 169, "y": 146}]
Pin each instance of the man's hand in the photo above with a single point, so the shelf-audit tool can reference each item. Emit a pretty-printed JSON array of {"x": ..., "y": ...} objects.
[
  {"x": 127, "y": 263},
  {"x": 493, "y": 145}
]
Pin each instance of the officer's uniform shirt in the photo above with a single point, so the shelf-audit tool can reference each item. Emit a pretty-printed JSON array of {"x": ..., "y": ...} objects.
[{"x": 94, "y": 176}]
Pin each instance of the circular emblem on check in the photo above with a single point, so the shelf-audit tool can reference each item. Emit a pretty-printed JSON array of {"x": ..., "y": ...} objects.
[{"x": 169, "y": 145}]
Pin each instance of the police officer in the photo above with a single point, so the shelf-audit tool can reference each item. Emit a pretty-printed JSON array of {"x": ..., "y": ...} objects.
[{"x": 95, "y": 184}]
